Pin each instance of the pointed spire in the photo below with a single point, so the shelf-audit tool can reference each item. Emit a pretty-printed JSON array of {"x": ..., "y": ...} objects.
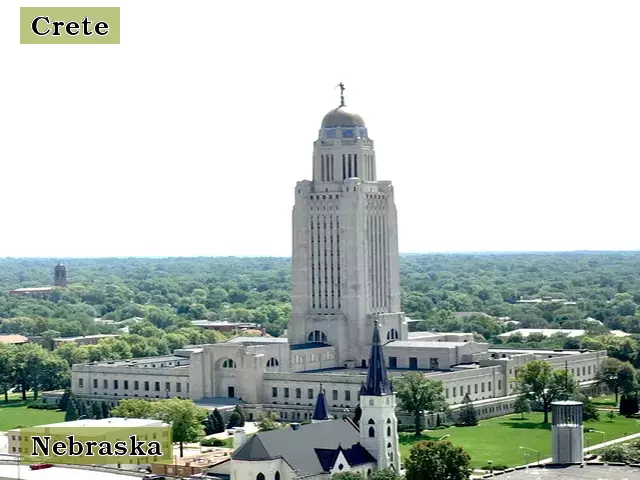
[
  {"x": 377, "y": 381},
  {"x": 321, "y": 412}
]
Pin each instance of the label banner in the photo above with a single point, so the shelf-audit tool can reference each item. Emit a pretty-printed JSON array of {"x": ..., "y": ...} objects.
[
  {"x": 69, "y": 25},
  {"x": 96, "y": 445}
]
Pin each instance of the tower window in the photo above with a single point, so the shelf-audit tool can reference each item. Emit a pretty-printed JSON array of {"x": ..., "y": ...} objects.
[{"x": 372, "y": 432}]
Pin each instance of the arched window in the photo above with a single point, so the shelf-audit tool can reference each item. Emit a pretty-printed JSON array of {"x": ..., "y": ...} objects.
[
  {"x": 260, "y": 476},
  {"x": 372, "y": 432},
  {"x": 393, "y": 334},
  {"x": 276, "y": 476},
  {"x": 272, "y": 362},
  {"x": 228, "y": 363},
  {"x": 388, "y": 420},
  {"x": 317, "y": 336},
  {"x": 371, "y": 422},
  {"x": 369, "y": 472}
]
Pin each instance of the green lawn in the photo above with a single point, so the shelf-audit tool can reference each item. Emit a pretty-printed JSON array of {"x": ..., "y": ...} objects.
[
  {"x": 498, "y": 439},
  {"x": 605, "y": 401},
  {"x": 16, "y": 414}
]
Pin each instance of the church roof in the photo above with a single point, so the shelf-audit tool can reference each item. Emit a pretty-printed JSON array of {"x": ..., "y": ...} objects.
[
  {"x": 321, "y": 412},
  {"x": 377, "y": 380},
  {"x": 309, "y": 448},
  {"x": 340, "y": 117}
]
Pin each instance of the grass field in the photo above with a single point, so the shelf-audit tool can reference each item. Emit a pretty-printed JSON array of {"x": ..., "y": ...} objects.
[
  {"x": 605, "y": 401},
  {"x": 16, "y": 414},
  {"x": 498, "y": 439}
]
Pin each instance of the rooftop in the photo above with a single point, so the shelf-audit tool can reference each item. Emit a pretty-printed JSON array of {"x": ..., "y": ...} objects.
[
  {"x": 222, "y": 323},
  {"x": 421, "y": 344},
  {"x": 105, "y": 422},
  {"x": 257, "y": 340},
  {"x": 59, "y": 473},
  {"x": 162, "y": 359},
  {"x": 13, "y": 339},
  {"x": 575, "y": 472},
  {"x": 73, "y": 339},
  {"x": 31, "y": 289}
]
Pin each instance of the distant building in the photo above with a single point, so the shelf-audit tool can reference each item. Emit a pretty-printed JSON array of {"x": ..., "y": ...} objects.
[
  {"x": 224, "y": 325},
  {"x": 547, "y": 332},
  {"x": 86, "y": 340},
  {"x": 60, "y": 280},
  {"x": 13, "y": 339},
  {"x": 60, "y": 275}
]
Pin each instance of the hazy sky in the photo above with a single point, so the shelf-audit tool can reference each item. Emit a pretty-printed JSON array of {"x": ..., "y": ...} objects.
[{"x": 504, "y": 125}]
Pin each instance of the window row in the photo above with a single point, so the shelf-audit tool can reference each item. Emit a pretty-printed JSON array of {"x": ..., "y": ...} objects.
[
  {"x": 135, "y": 384},
  {"x": 286, "y": 391}
]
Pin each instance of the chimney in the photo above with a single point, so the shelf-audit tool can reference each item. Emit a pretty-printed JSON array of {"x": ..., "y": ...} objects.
[
  {"x": 239, "y": 437},
  {"x": 295, "y": 426},
  {"x": 566, "y": 432}
]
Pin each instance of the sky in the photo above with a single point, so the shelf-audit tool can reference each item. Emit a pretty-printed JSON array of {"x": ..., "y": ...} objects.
[{"x": 503, "y": 125}]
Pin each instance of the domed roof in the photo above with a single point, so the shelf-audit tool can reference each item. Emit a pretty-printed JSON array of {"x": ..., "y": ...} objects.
[{"x": 340, "y": 117}]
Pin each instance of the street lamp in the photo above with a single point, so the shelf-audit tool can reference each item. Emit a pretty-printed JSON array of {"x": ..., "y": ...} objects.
[{"x": 531, "y": 449}]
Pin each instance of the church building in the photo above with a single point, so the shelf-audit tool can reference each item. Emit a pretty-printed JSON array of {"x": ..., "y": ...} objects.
[{"x": 327, "y": 446}]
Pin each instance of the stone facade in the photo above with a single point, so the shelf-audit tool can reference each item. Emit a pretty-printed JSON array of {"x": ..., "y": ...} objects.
[{"x": 345, "y": 279}]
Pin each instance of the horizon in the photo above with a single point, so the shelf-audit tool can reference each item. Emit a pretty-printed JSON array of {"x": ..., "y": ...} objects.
[
  {"x": 483, "y": 253},
  {"x": 503, "y": 126}
]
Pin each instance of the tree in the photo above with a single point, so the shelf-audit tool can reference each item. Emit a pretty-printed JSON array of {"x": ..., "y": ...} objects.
[
  {"x": 213, "y": 423},
  {"x": 628, "y": 405},
  {"x": 218, "y": 421},
  {"x": 417, "y": 393},
  {"x": 104, "y": 407},
  {"x": 235, "y": 420},
  {"x": 7, "y": 371},
  {"x": 522, "y": 405},
  {"x": 589, "y": 410},
  {"x": 384, "y": 474},
  {"x": 96, "y": 411},
  {"x": 64, "y": 400},
  {"x": 240, "y": 416},
  {"x": 541, "y": 384},
  {"x": 348, "y": 476},
  {"x": 268, "y": 421},
  {"x": 467, "y": 415},
  {"x": 608, "y": 374},
  {"x": 72, "y": 411},
  {"x": 185, "y": 418},
  {"x": 134, "y": 408},
  {"x": 439, "y": 460}
]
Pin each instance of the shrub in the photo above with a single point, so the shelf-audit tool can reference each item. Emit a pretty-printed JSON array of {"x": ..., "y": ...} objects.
[
  {"x": 42, "y": 405},
  {"x": 213, "y": 442}
]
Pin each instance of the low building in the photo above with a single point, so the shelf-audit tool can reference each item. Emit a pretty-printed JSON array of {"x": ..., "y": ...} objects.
[
  {"x": 85, "y": 340},
  {"x": 34, "y": 292},
  {"x": 13, "y": 339},
  {"x": 208, "y": 462},
  {"x": 225, "y": 326},
  {"x": 547, "y": 332}
]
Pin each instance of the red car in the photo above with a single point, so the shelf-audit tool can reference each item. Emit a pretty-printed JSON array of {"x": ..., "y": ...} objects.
[{"x": 40, "y": 466}]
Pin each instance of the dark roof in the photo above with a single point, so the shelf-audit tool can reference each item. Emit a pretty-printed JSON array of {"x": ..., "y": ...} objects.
[
  {"x": 305, "y": 346},
  {"x": 358, "y": 455},
  {"x": 321, "y": 412},
  {"x": 304, "y": 449},
  {"x": 377, "y": 381}
]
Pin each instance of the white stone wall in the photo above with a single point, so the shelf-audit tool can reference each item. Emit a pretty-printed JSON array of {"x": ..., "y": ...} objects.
[
  {"x": 242, "y": 470},
  {"x": 379, "y": 429}
]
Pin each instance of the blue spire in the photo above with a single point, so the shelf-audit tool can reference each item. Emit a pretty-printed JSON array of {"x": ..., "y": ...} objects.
[
  {"x": 321, "y": 412},
  {"x": 377, "y": 381}
]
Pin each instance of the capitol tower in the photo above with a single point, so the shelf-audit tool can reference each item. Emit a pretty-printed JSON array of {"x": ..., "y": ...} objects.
[{"x": 345, "y": 245}]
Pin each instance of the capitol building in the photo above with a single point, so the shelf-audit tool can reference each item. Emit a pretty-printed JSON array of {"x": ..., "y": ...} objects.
[{"x": 346, "y": 282}]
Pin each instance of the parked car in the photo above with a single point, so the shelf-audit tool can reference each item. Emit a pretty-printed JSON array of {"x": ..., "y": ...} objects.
[{"x": 40, "y": 466}]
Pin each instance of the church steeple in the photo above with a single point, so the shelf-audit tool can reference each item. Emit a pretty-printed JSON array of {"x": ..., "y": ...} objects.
[
  {"x": 321, "y": 412},
  {"x": 378, "y": 382}
]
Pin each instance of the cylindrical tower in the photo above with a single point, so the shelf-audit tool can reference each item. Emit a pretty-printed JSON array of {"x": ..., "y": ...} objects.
[
  {"x": 567, "y": 432},
  {"x": 60, "y": 275}
]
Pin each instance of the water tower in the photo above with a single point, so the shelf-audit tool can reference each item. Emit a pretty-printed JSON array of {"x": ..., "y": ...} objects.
[
  {"x": 60, "y": 275},
  {"x": 567, "y": 432}
]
